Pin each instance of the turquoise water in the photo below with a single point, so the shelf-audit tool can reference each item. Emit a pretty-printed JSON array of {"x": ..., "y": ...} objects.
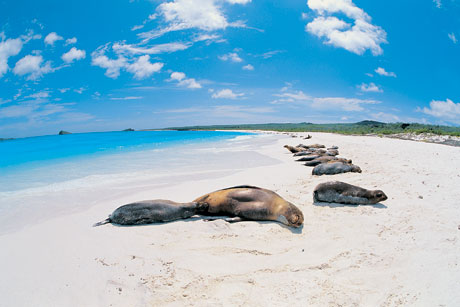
[
  {"x": 50, "y": 148},
  {"x": 38, "y": 161}
]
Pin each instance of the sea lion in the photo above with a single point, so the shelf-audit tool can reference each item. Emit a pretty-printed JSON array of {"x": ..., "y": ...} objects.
[
  {"x": 335, "y": 168},
  {"x": 311, "y": 146},
  {"x": 293, "y": 149},
  {"x": 333, "y": 147},
  {"x": 308, "y": 158},
  {"x": 332, "y": 152},
  {"x": 304, "y": 153},
  {"x": 344, "y": 193},
  {"x": 152, "y": 211},
  {"x": 326, "y": 159},
  {"x": 251, "y": 203}
]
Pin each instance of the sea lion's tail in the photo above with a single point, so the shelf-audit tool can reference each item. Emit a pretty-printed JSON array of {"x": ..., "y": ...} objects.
[{"x": 106, "y": 221}]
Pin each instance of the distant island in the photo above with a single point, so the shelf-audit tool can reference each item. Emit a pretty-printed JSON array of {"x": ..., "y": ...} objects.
[
  {"x": 360, "y": 128},
  {"x": 62, "y": 132}
]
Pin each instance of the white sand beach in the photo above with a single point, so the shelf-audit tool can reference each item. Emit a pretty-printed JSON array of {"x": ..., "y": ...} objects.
[{"x": 403, "y": 252}]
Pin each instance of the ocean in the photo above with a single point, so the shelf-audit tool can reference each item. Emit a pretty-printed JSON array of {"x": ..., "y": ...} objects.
[{"x": 42, "y": 177}]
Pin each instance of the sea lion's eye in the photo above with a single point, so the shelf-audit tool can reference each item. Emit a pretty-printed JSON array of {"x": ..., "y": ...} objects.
[{"x": 379, "y": 195}]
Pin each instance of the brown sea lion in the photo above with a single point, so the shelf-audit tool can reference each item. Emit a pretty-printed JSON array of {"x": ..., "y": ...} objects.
[
  {"x": 335, "y": 168},
  {"x": 308, "y": 158},
  {"x": 344, "y": 193},
  {"x": 293, "y": 149},
  {"x": 326, "y": 159},
  {"x": 251, "y": 203},
  {"x": 332, "y": 152},
  {"x": 152, "y": 211}
]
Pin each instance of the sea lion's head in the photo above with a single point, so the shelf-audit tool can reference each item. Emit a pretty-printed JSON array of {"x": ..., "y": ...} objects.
[
  {"x": 355, "y": 169},
  {"x": 291, "y": 216},
  {"x": 377, "y": 196}
]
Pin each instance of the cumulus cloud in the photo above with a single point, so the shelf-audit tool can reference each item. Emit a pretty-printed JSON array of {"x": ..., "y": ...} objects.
[
  {"x": 33, "y": 66},
  {"x": 371, "y": 87},
  {"x": 51, "y": 38},
  {"x": 204, "y": 15},
  {"x": 183, "y": 81},
  {"x": 232, "y": 56},
  {"x": 71, "y": 41},
  {"x": 438, "y": 3},
  {"x": 73, "y": 54},
  {"x": 381, "y": 71},
  {"x": 112, "y": 66},
  {"x": 248, "y": 67},
  {"x": 8, "y": 48},
  {"x": 446, "y": 110},
  {"x": 452, "y": 37},
  {"x": 356, "y": 38},
  {"x": 142, "y": 68},
  {"x": 226, "y": 94}
]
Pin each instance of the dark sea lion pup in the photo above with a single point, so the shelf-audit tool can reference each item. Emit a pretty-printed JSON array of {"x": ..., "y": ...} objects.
[
  {"x": 152, "y": 211},
  {"x": 344, "y": 193},
  {"x": 334, "y": 168},
  {"x": 251, "y": 203}
]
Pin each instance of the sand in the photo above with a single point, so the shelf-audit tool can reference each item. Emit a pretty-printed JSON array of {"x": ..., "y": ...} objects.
[{"x": 404, "y": 251}]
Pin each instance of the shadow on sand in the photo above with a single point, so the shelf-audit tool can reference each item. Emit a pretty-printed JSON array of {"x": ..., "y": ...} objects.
[
  {"x": 211, "y": 219},
  {"x": 337, "y": 205}
]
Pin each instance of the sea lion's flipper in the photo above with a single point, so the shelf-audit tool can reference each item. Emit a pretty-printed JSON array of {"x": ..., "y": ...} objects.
[{"x": 106, "y": 221}]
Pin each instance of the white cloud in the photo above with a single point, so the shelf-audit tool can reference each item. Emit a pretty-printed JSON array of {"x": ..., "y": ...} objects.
[
  {"x": 33, "y": 66},
  {"x": 51, "y": 38},
  {"x": 71, "y": 41},
  {"x": 446, "y": 110},
  {"x": 157, "y": 49},
  {"x": 79, "y": 90},
  {"x": 39, "y": 95},
  {"x": 437, "y": 3},
  {"x": 356, "y": 38},
  {"x": 232, "y": 56},
  {"x": 183, "y": 81},
  {"x": 73, "y": 54},
  {"x": 137, "y": 27},
  {"x": 4, "y": 101},
  {"x": 226, "y": 94},
  {"x": 185, "y": 14},
  {"x": 371, "y": 87},
  {"x": 126, "y": 98},
  {"x": 63, "y": 90},
  {"x": 452, "y": 37},
  {"x": 8, "y": 48},
  {"x": 112, "y": 66},
  {"x": 248, "y": 67},
  {"x": 142, "y": 68},
  {"x": 326, "y": 103},
  {"x": 385, "y": 117},
  {"x": 346, "y": 104},
  {"x": 205, "y": 15},
  {"x": 381, "y": 71}
]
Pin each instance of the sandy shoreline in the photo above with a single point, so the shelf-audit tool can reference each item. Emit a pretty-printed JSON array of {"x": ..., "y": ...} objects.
[{"x": 404, "y": 253}]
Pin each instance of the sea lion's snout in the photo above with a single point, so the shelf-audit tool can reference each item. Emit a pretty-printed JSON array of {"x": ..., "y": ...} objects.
[
  {"x": 381, "y": 196},
  {"x": 295, "y": 216}
]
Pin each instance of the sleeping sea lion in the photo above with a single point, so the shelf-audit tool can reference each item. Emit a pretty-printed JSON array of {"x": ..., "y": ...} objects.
[
  {"x": 344, "y": 193},
  {"x": 308, "y": 158},
  {"x": 335, "y": 168},
  {"x": 152, "y": 211},
  {"x": 293, "y": 149},
  {"x": 251, "y": 203},
  {"x": 311, "y": 146},
  {"x": 326, "y": 159},
  {"x": 332, "y": 152}
]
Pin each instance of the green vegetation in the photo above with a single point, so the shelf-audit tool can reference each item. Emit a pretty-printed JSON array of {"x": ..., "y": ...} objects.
[{"x": 363, "y": 127}]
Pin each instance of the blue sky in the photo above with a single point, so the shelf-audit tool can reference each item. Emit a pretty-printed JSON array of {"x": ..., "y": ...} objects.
[{"x": 109, "y": 65}]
